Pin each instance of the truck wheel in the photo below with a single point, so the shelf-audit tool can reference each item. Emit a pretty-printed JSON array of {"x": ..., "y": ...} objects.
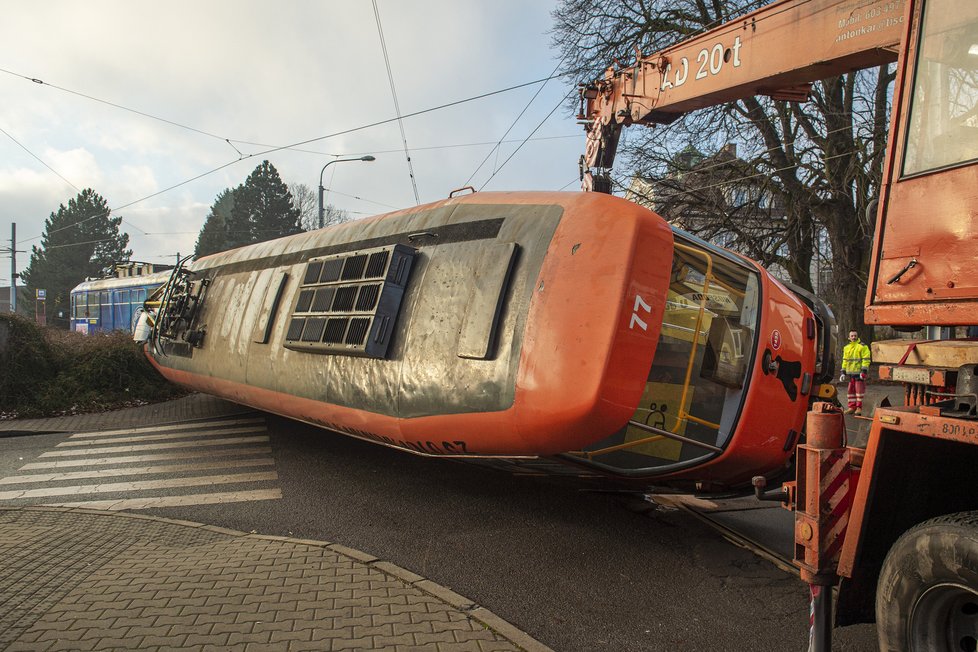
[{"x": 927, "y": 597}]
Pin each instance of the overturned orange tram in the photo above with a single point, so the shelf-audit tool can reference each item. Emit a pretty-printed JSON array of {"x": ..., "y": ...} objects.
[{"x": 521, "y": 328}]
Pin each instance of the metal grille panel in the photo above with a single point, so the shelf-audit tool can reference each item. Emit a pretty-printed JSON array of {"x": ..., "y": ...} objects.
[{"x": 349, "y": 302}]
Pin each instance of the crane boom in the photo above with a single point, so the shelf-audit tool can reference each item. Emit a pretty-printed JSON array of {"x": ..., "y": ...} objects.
[{"x": 777, "y": 51}]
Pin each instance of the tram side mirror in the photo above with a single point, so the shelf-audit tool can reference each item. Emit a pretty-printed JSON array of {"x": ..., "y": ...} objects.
[{"x": 724, "y": 362}]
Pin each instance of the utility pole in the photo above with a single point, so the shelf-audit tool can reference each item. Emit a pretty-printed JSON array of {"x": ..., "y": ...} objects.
[{"x": 13, "y": 267}]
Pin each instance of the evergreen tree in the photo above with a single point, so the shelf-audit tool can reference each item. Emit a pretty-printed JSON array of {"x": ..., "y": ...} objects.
[
  {"x": 263, "y": 209},
  {"x": 214, "y": 234},
  {"x": 80, "y": 241}
]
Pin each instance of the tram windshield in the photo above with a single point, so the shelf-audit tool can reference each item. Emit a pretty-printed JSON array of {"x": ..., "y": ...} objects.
[{"x": 696, "y": 383}]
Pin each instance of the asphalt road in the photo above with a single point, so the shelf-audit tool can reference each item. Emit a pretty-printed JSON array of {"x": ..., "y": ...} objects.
[{"x": 578, "y": 570}]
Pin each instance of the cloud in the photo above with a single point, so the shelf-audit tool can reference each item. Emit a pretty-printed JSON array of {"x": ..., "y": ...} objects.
[{"x": 264, "y": 75}]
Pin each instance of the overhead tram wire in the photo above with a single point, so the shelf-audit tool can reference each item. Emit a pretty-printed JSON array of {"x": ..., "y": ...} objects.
[
  {"x": 369, "y": 201},
  {"x": 408, "y": 115},
  {"x": 60, "y": 176},
  {"x": 510, "y": 157},
  {"x": 415, "y": 148},
  {"x": 38, "y": 159},
  {"x": 397, "y": 108},
  {"x": 135, "y": 201},
  {"x": 501, "y": 138},
  {"x": 271, "y": 150},
  {"x": 41, "y": 82},
  {"x": 275, "y": 148}
]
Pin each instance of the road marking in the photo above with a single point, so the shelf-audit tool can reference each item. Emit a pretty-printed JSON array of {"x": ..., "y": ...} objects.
[
  {"x": 147, "y": 447},
  {"x": 139, "y": 470},
  {"x": 160, "y": 457},
  {"x": 178, "y": 426},
  {"x": 175, "y": 501},
  {"x": 116, "y": 439},
  {"x": 139, "y": 485}
]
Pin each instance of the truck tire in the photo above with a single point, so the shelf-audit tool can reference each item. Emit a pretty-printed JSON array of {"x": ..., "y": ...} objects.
[{"x": 927, "y": 596}]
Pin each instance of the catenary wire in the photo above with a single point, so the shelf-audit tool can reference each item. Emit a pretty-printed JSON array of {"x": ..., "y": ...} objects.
[
  {"x": 510, "y": 157},
  {"x": 41, "y": 82},
  {"x": 397, "y": 107},
  {"x": 502, "y": 138},
  {"x": 58, "y": 174},
  {"x": 38, "y": 159},
  {"x": 306, "y": 142}
]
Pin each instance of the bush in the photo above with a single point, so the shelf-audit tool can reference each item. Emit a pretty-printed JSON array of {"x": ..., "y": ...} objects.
[
  {"x": 71, "y": 373},
  {"x": 27, "y": 364}
]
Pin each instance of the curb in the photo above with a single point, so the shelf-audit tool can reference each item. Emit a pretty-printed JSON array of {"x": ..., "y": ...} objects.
[
  {"x": 478, "y": 613},
  {"x": 77, "y": 422},
  {"x": 26, "y": 433}
]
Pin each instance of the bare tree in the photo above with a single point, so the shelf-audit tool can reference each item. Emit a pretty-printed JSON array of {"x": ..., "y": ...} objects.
[
  {"x": 820, "y": 161},
  {"x": 307, "y": 201}
]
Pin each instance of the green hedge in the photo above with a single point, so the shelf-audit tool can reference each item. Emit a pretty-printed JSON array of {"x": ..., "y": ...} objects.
[{"x": 45, "y": 372}]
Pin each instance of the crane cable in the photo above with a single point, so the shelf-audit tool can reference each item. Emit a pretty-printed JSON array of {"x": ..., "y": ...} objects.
[{"x": 397, "y": 108}]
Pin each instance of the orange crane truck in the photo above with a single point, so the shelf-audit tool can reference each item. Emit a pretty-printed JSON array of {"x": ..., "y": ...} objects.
[{"x": 889, "y": 530}]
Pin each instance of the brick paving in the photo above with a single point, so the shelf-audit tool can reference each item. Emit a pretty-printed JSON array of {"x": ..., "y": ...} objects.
[{"x": 75, "y": 579}]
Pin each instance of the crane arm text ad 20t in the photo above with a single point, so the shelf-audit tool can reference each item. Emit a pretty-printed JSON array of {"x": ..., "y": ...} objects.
[{"x": 775, "y": 51}]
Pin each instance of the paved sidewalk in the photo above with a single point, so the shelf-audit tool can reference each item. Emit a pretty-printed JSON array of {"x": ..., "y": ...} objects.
[
  {"x": 76, "y": 579},
  {"x": 85, "y": 580}
]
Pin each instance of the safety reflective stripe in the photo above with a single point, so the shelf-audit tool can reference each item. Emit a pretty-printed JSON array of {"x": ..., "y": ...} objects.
[{"x": 855, "y": 357}]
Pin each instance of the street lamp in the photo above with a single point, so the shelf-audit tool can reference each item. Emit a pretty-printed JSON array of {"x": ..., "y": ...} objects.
[{"x": 322, "y": 206}]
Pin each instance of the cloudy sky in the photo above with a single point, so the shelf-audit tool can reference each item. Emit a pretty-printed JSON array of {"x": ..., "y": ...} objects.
[{"x": 140, "y": 99}]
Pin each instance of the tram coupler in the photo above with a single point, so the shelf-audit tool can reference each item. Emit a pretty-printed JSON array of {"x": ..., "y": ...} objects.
[
  {"x": 780, "y": 495},
  {"x": 821, "y": 495}
]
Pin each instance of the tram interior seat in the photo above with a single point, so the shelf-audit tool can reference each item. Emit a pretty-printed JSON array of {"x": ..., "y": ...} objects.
[{"x": 723, "y": 359}]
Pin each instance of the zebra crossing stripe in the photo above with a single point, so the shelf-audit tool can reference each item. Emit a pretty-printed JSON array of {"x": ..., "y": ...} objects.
[
  {"x": 139, "y": 485},
  {"x": 175, "y": 501},
  {"x": 148, "y": 447},
  {"x": 153, "y": 457},
  {"x": 116, "y": 439},
  {"x": 138, "y": 470},
  {"x": 178, "y": 426}
]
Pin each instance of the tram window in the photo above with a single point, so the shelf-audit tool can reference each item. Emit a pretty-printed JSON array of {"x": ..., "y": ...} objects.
[
  {"x": 943, "y": 127},
  {"x": 93, "y": 308},
  {"x": 696, "y": 382}
]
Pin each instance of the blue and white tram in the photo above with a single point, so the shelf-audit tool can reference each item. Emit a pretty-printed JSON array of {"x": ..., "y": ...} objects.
[{"x": 110, "y": 304}]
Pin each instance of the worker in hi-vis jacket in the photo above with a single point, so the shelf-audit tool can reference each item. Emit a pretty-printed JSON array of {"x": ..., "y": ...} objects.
[{"x": 855, "y": 368}]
